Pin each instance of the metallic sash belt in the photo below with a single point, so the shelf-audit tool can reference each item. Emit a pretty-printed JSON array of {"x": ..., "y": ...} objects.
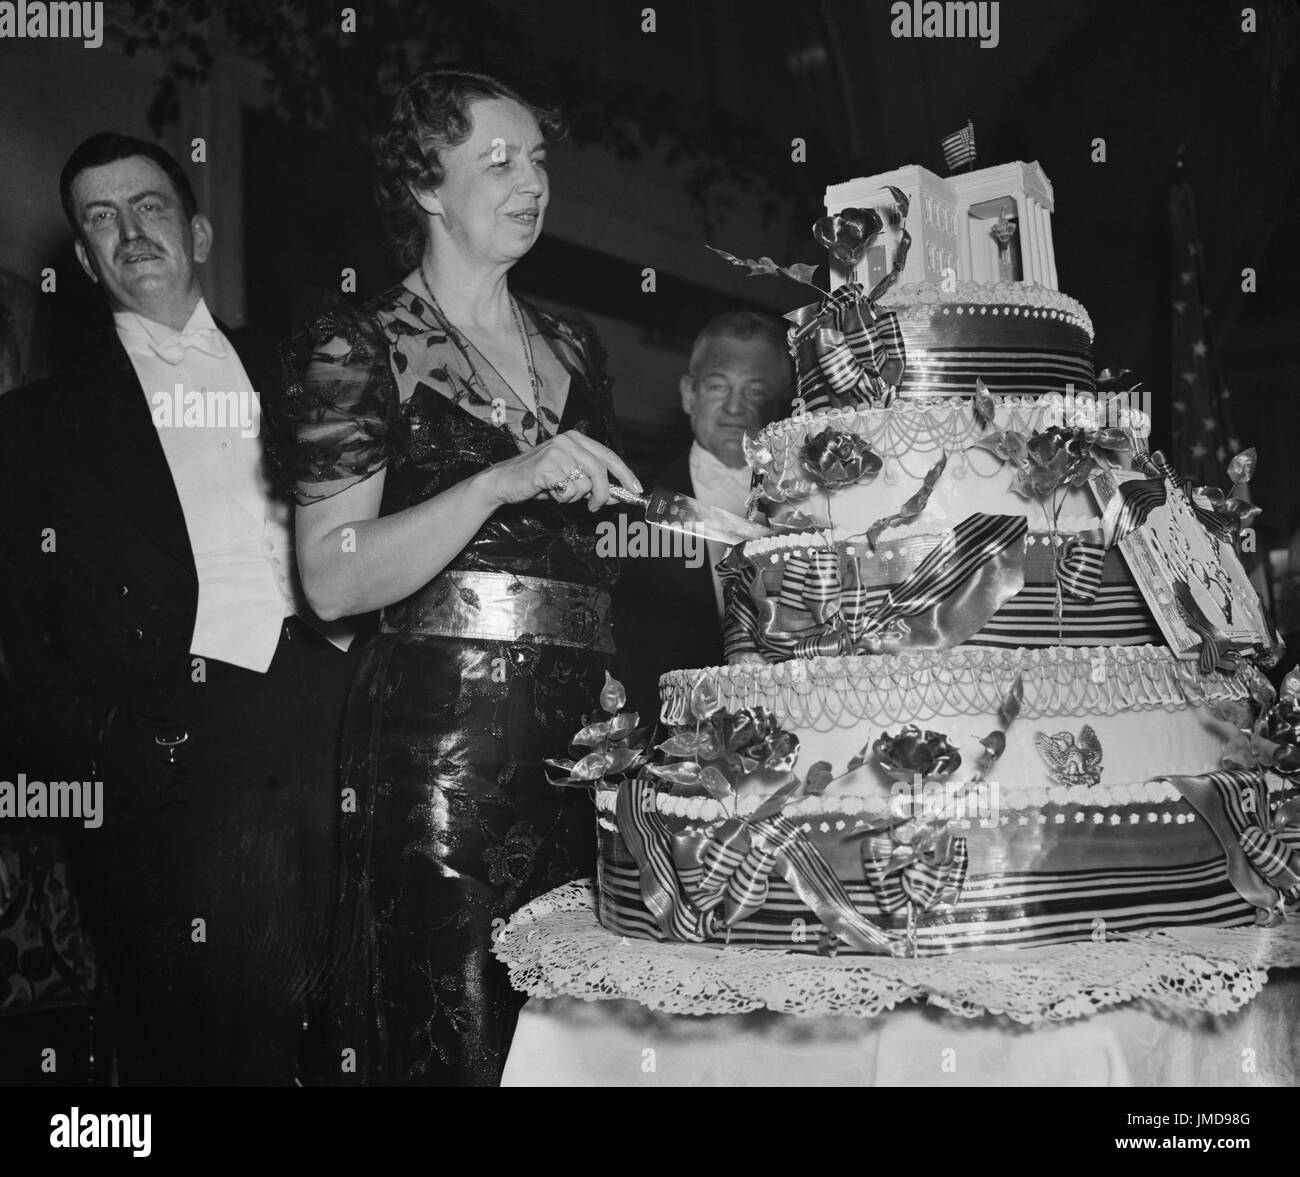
[{"x": 502, "y": 607}]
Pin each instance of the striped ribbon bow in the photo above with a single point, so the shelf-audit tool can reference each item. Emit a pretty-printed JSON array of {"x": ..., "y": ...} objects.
[
  {"x": 923, "y": 874},
  {"x": 734, "y": 868},
  {"x": 647, "y": 839},
  {"x": 1219, "y": 519},
  {"x": 1079, "y": 562},
  {"x": 742, "y": 586},
  {"x": 696, "y": 894},
  {"x": 846, "y": 351},
  {"x": 835, "y": 608},
  {"x": 977, "y": 542},
  {"x": 811, "y": 590},
  {"x": 1275, "y": 852},
  {"x": 1134, "y": 502},
  {"x": 975, "y": 573},
  {"x": 1216, "y": 652},
  {"x": 1263, "y": 854}
]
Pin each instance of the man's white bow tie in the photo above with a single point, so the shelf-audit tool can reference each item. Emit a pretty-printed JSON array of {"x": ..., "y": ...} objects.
[{"x": 205, "y": 339}]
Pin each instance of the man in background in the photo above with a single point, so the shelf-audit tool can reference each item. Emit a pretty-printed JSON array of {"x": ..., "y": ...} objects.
[{"x": 668, "y": 611}]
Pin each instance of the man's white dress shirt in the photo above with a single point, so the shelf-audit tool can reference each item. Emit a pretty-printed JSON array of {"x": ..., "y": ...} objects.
[{"x": 208, "y": 419}]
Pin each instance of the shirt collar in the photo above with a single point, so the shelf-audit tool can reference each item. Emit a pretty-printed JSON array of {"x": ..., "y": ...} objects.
[
  {"x": 135, "y": 329},
  {"x": 714, "y": 469}
]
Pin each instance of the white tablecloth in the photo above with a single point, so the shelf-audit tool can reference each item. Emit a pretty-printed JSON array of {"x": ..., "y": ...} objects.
[{"x": 567, "y": 1042}]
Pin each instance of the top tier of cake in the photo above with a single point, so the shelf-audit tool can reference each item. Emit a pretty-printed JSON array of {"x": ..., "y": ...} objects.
[{"x": 976, "y": 297}]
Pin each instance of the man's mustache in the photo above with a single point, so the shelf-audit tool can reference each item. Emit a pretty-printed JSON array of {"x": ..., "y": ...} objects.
[{"x": 140, "y": 245}]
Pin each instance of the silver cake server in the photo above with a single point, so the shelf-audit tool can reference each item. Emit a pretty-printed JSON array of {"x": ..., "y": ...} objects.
[{"x": 679, "y": 512}]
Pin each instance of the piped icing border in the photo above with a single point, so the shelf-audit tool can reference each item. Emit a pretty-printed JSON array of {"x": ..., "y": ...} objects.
[
  {"x": 799, "y": 542},
  {"x": 968, "y": 680},
  {"x": 1017, "y": 805},
  {"x": 1150, "y": 802},
  {"x": 932, "y": 424},
  {"x": 916, "y": 299},
  {"x": 794, "y": 542}
]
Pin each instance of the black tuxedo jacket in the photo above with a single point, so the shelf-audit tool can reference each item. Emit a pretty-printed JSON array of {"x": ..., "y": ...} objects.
[
  {"x": 665, "y": 613},
  {"x": 98, "y": 597}
]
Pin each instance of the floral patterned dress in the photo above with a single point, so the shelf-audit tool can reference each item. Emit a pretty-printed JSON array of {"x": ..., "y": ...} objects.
[{"x": 449, "y": 821}]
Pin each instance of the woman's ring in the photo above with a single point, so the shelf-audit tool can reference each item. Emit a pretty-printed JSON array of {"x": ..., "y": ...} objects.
[
  {"x": 558, "y": 488},
  {"x": 576, "y": 473}
]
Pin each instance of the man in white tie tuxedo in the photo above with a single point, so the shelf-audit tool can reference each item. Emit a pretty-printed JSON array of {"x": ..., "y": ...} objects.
[
  {"x": 155, "y": 638},
  {"x": 668, "y": 614}
]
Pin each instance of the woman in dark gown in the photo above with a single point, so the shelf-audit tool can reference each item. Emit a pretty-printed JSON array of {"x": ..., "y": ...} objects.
[{"x": 448, "y": 445}]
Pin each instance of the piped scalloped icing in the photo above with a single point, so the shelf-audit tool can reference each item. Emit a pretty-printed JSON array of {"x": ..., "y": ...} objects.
[
  {"x": 885, "y": 690},
  {"x": 948, "y": 423}
]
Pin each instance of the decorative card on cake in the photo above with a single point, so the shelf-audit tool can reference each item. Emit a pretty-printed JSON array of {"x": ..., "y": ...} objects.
[{"x": 1193, "y": 582}]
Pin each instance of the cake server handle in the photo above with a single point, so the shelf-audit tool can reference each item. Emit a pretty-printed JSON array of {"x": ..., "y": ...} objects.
[{"x": 619, "y": 495}]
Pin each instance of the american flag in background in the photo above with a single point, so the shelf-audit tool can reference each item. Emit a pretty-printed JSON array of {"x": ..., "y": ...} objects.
[
  {"x": 959, "y": 148},
  {"x": 1204, "y": 439}
]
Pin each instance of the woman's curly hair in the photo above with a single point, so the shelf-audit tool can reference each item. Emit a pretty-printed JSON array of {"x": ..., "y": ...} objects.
[{"x": 432, "y": 113}]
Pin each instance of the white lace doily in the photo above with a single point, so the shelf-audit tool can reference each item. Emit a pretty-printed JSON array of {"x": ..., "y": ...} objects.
[{"x": 555, "y": 947}]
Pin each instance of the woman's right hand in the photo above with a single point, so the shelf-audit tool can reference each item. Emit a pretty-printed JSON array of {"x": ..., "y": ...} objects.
[{"x": 566, "y": 468}]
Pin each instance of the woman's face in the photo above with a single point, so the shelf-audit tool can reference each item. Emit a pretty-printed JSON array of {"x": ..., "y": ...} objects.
[{"x": 494, "y": 193}]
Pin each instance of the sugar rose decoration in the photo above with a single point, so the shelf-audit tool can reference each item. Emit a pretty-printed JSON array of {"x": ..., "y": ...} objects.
[
  {"x": 1283, "y": 728},
  {"x": 741, "y": 742},
  {"x": 836, "y": 459},
  {"x": 914, "y": 753},
  {"x": 753, "y": 741},
  {"x": 714, "y": 755},
  {"x": 1268, "y": 727},
  {"x": 1060, "y": 456},
  {"x": 722, "y": 752},
  {"x": 848, "y": 232}
]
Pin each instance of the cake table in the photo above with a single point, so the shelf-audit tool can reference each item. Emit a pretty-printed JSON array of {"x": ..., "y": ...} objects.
[{"x": 1171, "y": 1008}]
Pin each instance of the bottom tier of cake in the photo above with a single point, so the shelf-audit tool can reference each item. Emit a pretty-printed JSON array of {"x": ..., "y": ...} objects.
[
  {"x": 1032, "y": 878},
  {"x": 949, "y": 801}
]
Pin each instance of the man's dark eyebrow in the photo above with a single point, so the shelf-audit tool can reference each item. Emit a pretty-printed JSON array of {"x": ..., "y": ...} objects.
[{"x": 139, "y": 196}]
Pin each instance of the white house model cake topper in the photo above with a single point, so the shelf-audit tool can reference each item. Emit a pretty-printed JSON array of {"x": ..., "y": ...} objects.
[{"x": 989, "y": 226}]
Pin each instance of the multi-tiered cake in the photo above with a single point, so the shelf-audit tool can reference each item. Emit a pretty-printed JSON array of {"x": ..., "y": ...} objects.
[{"x": 991, "y": 679}]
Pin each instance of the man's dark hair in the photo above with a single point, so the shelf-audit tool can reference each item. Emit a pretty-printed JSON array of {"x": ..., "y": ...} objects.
[
  {"x": 743, "y": 325},
  {"x": 108, "y": 147}
]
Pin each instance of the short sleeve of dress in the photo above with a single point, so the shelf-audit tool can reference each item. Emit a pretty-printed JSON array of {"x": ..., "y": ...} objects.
[{"x": 334, "y": 417}]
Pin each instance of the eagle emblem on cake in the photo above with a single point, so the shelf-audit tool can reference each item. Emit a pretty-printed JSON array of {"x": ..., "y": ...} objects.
[{"x": 1072, "y": 762}]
